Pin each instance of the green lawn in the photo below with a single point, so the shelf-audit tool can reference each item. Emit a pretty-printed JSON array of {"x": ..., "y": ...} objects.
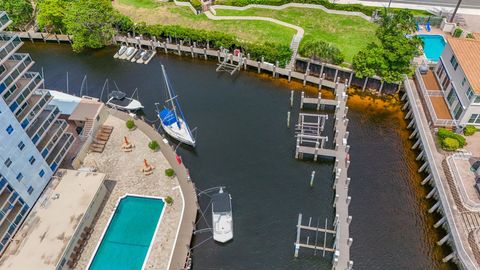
[
  {"x": 349, "y": 33},
  {"x": 170, "y": 14},
  {"x": 140, "y": 3}
]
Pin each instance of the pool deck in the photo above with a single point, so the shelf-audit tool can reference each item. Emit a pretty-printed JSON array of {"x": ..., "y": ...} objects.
[{"x": 124, "y": 177}]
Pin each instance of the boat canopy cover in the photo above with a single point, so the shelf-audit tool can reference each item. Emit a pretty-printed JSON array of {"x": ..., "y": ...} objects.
[
  {"x": 221, "y": 202},
  {"x": 167, "y": 116},
  {"x": 118, "y": 95}
]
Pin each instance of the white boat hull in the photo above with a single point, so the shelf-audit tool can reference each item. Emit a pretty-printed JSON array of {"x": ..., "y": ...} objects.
[
  {"x": 134, "y": 105},
  {"x": 222, "y": 227},
  {"x": 180, "y": 134}
]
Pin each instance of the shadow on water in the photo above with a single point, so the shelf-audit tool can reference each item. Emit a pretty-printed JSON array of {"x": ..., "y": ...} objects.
[{"x": 243, "y": 144}]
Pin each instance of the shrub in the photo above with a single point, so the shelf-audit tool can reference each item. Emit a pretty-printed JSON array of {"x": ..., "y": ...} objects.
[
  {"x": 469, "y": 35},
  {"x": 450, "y": 144},
  {"x": 319, "y": 49},
  {"x": 469, "y": 130},
  {"x": 444, "y": 133},
  {"x": 458, "y": 32},
  {"x": 461, "y": 140},
  {"x": 153, "y": 145},
  {"x": 169, "y": 172},
  {"x": 169, "y": 200},
  {"x": 130, "y": 124}
]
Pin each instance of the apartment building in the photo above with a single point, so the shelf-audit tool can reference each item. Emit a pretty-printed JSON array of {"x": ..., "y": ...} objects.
[{"x": 34, "y": 140}]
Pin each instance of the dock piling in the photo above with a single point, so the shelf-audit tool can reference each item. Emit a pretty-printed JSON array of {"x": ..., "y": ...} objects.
[
  {"x": 312, "y": 177},
  {"x": 288, "y": 119}
]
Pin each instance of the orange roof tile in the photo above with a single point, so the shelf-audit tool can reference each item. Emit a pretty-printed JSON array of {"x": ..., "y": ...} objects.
[{"x": 467, "y": 52}]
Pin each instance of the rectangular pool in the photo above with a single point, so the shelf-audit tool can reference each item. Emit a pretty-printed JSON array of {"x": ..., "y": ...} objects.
[
  {"x": 129, "y": 234},
  {"x": 433, "y": 46}
]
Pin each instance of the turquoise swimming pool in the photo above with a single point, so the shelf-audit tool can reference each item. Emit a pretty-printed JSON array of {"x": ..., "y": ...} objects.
[
  {"x": 126, "y": 241},
  {"x": 433, "y": 46}
]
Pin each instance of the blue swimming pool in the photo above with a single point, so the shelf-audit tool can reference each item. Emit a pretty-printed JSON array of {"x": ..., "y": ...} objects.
[
  {"x": 126, "y": 242},
  {"x": 433, "y": 46}
]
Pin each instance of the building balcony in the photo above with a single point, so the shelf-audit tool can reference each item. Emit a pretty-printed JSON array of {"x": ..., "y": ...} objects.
[
  {"x": 15, "y": 68},
  {"x": 60, "y": 150},
  {"x": 53, "y": 136},
  {"x": 434, "y": 99},
  {"x": 29, "y": 110},
  {"x": 4, "y": 20},
  {"x": 9, "y": 44},
  {"x": 24, "y": 87},
  {"x": 44, "y": 121}
]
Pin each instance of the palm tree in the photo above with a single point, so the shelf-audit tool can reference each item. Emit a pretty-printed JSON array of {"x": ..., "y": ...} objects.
[{"x": 455, "y": 11}]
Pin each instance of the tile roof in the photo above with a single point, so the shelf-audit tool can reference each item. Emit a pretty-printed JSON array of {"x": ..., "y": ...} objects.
[{"x": 467, "y": 52}]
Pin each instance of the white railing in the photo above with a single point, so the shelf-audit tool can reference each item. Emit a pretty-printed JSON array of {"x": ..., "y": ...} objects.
[{"x": 431, "y": 110}]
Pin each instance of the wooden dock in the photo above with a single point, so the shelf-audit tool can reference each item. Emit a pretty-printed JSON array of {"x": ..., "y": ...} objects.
[
  {"x": 341, "y": 247},
  {"x": 30, "y": 35}
]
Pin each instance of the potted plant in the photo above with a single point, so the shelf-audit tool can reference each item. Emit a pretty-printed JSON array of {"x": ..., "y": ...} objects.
[
  {"x": 169, "y": 200},
  {"x": 169, "y": 172},
  {"x": 130, "y": 124},
  {"x": 153, "y": 145}
]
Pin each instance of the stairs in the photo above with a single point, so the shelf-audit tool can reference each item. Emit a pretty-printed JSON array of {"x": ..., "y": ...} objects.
[
  {"x": 87, "y": 129},
  {"x": 294, "y": 47}
]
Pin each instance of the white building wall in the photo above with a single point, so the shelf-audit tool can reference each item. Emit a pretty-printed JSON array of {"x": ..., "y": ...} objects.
[
  {"x": 457, "y": 76},
  {"x": 20, "y": 158}
]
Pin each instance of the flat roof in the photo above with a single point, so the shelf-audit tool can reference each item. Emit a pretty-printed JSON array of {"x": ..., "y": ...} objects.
[
  {"x": 66, "y": 103},
  {"x": 42, "y": 239},
  {"x": 467, "y": 52},
  {"x": 87, "y": 108}
]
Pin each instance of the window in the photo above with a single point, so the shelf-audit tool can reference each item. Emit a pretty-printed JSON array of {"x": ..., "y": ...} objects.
[
  {"x": 31, "y": 160},
  {"x": 9, "y": 129},
  {"x": 21, "y": 145},
  {"x": 477, "y": 99},
  {"x": 454, "y": 62},
  {"x": 8, "y": 162},
  {"x": 469, "y": 93},
  {"x": 41, "y": 173},
  {"x": 452, "y": 96},
  {"x": 2, "y": 69},
  {"x": 464, "y": 81},
  {"x": 30, "y": 190},
  {"x": 474, "y": 119},
  {"x": 19, "y": 177}
]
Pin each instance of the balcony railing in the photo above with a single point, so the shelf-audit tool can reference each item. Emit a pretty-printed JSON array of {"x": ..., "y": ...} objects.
[
  {"x": 42, "y": 125},
  {"x": 53, "y": 136},
  {"x": 59, "y": 152},
  {"x": 22, "y": 62},
  {"x": 4, "y": 20},
  {"x": 431, "y": 110},
  {"x": 16, "y": 100},
  {"x": 9, "y": 44},
  {"x": 27, "y": 114}
]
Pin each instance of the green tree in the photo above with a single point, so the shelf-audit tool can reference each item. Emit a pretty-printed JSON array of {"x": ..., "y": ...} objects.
[
  {"x": 90, "y": 22},
  {"x": 19, "y": 11},
  {"x": 319, "y": 49},
  {"x": 50, "y": 14},
  {"x": 369, "y": 62},
  {"x": 391, "y": 58}
]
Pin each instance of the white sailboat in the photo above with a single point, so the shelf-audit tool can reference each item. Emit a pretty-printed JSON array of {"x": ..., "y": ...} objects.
[
  {"x": 172, "y": 118},
  {"x": 222, "y": 218}
]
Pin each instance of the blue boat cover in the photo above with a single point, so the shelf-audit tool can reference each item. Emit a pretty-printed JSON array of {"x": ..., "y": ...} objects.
[{"x": 167, "y": 116}]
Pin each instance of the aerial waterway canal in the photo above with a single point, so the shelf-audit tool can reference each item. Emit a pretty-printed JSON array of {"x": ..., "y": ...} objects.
[{"x": 243, "y": 144}]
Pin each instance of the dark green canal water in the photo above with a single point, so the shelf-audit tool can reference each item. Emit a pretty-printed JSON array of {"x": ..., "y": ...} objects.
[{"x": 243, "y": 144}]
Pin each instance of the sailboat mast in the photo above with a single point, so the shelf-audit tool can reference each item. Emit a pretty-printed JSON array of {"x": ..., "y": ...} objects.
[{"x": 169, "y": 92}]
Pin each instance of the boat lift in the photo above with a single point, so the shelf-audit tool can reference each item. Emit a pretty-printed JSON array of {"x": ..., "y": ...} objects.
[{"x": 230, "y": 68}]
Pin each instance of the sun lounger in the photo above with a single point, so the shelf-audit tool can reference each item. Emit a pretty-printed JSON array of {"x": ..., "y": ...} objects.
[
  {"x": 99, "y": 142},
  {"x": 102, "y": 137}
]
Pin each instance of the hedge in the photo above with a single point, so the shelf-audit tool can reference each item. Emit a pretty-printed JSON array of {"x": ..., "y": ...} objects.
[
  {"x": 469, "y": 130},
  {"x": 271, "y": 52},
  {"x": 450, "y": 144}
]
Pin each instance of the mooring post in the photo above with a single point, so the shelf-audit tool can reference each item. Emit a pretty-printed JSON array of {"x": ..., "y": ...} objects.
[
  {"x": 191, "y": 50},
  {"x": 365, "y": 84},
  {"x": 291, "y": 99},
  {"x": 427, "y": 179},
  {"x": 258, "y": 64},
  {"x": 30, "y": 37},
  {"x": 301, "y": 100},
  {"x": 178, "y": 49},
  {"x": 312, "y": 177},
  {"x": 349, "y": 198},
  {"x": 347, "y": 181},
  {"x": 319, "y": 100},
  {"x": 349, "y": 219},
  {"x": 335, "y": 200},
  {"x": 297, "y": 242},
  {"x": 305, "y": 78},
  {"x": 274, "y": 70},
  {"x": 289, "y": 75},
  {"x": 288, "y": 119}
]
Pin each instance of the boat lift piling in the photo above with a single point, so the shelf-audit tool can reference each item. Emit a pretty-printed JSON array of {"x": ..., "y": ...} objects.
[{"x": 310, "y": 141}]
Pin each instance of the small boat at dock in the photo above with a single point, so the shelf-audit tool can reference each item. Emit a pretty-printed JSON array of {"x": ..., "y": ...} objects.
[
  {"x": 172, "y": 118},
  {"x": 119, "y": 100},
  {"x": 147, "y": 57},
  {"x": 222, "y": 219},
  {"x": 121, "y": 51},
  {"x": 129, "y": 53},
  {"x": 138, "y": 55}
]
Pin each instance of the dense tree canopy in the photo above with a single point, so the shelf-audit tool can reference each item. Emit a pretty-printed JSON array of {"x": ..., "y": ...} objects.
[
  {"x": 321, "y": 50},
  {"x": 90, "y": 22},
  {"x": 391, "y": 58},
  {"x": 50, "y": 14},
  {"x": 19, "y": 11}
]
